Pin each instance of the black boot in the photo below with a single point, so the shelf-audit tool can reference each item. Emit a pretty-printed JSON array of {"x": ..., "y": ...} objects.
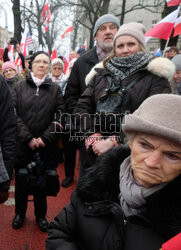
[
  {"x": 43, "y": 224},
  {"x": 17, "y": 221},
  {"x": 67, "y": 181}
]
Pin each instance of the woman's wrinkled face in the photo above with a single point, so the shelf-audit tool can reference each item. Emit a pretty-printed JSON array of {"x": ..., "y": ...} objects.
[
  {"x": 57, "y": 70},
  {"x": 177, "y": 76},
  {"x": 9, "y": 73},
  {"x": 154, "y": 160},
  {"x": 126, "y": 46},
  {"x": 41, "y": 66}
]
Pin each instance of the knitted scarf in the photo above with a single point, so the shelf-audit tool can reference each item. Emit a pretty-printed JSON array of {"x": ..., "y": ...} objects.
[
  {"x": 132, "y": 195},
  {"x": 122, "y": 67}
]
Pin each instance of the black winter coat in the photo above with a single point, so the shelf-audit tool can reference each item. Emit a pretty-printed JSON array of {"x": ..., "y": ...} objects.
[
  {"x": 94, "y": 220},
  {"x": 8, "y": 130},
  {"x": 147, "y": 84},
  {"x": 76, "y": 82},
  {"x": 37, "y": 108}
]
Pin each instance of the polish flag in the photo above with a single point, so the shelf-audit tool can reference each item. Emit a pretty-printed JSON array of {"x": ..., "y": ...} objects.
[
  {"x": 164, "y": 28},
  {"x": 11, "y": 51},
  {"x": 177, "y": 27},
  {"x": 69, "y": 29},
  {"x": 54, "y": 54},
  {"x": 85, "y": 44},
  {"x": 46, "y": 15},
  {"x": 173, "y": 2}
]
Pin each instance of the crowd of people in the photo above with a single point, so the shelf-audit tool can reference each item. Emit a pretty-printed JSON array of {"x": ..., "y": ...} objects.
[{"x": 120, "y": 107}]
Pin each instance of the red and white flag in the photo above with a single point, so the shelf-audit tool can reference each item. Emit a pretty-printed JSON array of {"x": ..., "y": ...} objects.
[
  {"x": 46, "y": 15},
  {"x": 85, "y": 44},
  {"x": 54, "y": 54},
  {"x": 177, "y": 27},
  {"x": 173, "y": 2},
  {"x": 69, "y": 29},
  {"x": 164, "y": 28}
]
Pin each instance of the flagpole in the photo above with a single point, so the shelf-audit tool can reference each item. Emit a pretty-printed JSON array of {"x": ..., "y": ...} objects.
[{"x": 166, "y": 46}]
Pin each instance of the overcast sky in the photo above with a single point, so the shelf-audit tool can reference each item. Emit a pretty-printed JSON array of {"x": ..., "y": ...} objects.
[{"x": 8, "y": 9}]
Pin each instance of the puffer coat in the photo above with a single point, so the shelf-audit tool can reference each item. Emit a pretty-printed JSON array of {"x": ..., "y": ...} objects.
[
  {"x": 38, "y": 109},
  {"x": 94, "y": 220},
  {"x": 150, "y": 81}
]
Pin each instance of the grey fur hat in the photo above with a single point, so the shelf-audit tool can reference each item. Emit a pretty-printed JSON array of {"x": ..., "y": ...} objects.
[
  {"x": 137, "y": 30},
  {"x": 177, "y": 61},
  {"x": 107, "y": 18},
  {"x": 158, "y": 115}
]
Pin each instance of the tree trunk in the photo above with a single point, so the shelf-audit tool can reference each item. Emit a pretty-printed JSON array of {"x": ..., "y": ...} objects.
[
  {"x": 123, "y": 12},
  {"x": 17, "y": 19}
]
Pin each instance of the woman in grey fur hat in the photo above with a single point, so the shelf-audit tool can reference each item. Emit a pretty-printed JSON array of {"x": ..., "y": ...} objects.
[
  {"x": 116, "y": 86},
  {"x": 129, "y": 200}
]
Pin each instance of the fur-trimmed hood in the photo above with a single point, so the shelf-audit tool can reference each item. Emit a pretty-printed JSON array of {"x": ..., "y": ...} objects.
[{"x": 160, "y": 66}]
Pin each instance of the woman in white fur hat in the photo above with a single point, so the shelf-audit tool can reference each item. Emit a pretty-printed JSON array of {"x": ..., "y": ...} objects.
[{"x": 116, "y": 86}]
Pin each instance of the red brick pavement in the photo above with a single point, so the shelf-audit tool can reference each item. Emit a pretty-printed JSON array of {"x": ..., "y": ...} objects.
[{"x": 29, "y": 236}]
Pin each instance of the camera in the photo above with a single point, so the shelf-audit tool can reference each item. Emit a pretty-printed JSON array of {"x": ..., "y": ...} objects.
[
  {"x": 31, "y": 167},
  {"x": 13, "y": 41}
]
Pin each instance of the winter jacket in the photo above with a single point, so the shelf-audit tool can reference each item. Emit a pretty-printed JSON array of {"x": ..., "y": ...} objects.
[
  {"x": 150, "y": 81},
  {"x": 38, "y": 113},
  {"x": 8, "y": 131},
  {"x": 76, "y": 82},
  {"x": 94, "y": 219},
  {"x": 15, "y": 79}
]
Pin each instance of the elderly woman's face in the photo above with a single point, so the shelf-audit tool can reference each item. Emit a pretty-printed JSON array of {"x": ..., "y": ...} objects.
[
  {"x": 154, "y": 160},
  {"x": 9, "y": 73},
  {"x": 41, "y": 66},
  {"x": 126, "y": 46},
  {"x": 57, "y": 70}
]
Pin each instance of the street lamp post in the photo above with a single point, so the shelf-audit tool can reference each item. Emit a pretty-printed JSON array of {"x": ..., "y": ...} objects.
[{"x": 6, "y": 25}]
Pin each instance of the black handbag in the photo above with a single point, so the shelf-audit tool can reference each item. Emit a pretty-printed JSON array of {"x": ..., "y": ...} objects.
[
  {"x": 112, "y": 106},
  {"x": 35, "y": 178}
]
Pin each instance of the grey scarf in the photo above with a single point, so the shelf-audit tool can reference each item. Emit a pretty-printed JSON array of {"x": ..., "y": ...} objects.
[
  {"x": 125, "y": 66},
  {"x": 132, "y": 196},
  {"x": 3, "y": 172}
]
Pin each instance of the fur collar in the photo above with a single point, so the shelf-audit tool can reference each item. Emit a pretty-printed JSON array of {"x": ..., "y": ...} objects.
[
  {"x": 160, "y": 66},
  {"x": 101, "y": 181}
]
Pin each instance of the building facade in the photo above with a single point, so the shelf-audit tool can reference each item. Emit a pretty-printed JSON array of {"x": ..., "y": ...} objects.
[{"x": 140, "y": 14}]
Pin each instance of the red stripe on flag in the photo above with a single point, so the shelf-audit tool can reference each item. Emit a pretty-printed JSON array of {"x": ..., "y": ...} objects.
[
  {"x": 177, "y": 30},
  {"x": 173, "y": 2},
  {"x": 161, "y": 30}
]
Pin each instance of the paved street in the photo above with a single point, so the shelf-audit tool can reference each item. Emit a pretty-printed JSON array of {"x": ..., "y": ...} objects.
[{"x": 29, "y": 236}]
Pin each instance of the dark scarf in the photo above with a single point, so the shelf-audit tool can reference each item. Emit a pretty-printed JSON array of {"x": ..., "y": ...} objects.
[{"x": 125, "y": 66}]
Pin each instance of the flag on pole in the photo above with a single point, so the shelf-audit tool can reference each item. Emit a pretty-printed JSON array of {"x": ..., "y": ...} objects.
[
  {"x": 85, "y": 44},
  {"x": 25, "y": 42},
  {"x": 69, "y": 29},
  {"x": 173, "y": 2},
  {"x": 177, "y": 27},
  {"x": 164, "y": 28},
  {"x": 46, "y": 15},
  {"x": 29, "y": 40}
]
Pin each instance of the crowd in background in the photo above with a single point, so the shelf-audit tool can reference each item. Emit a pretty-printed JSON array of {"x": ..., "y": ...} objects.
[{"x": 49, "y": 106}]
